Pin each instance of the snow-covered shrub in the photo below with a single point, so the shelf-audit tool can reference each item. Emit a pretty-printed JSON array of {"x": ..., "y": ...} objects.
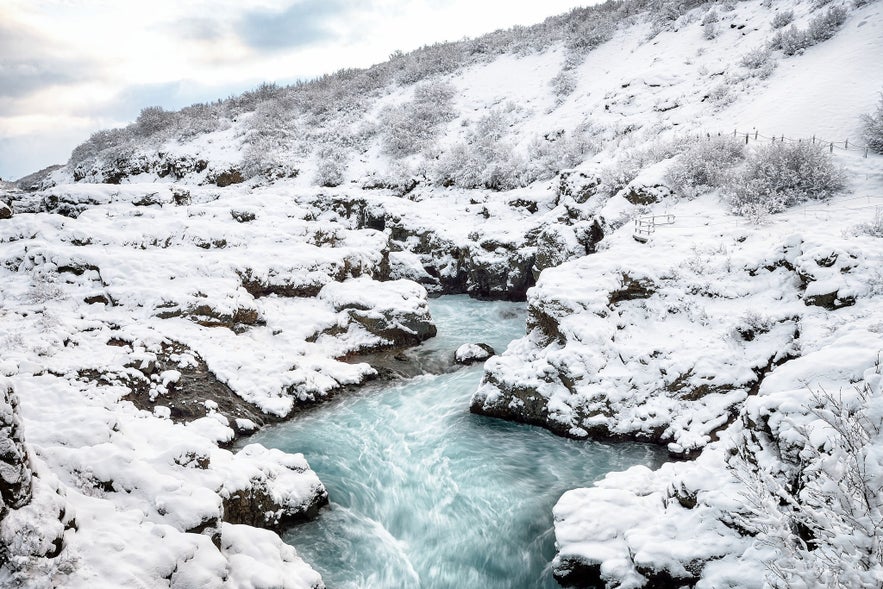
[
  {"x": 98, "y": 142},
  {"x": 874, "y": 228},
  {"x": 588, "y": 28},
  {"x": 709, "y": 25},
  {"x": 409, "y": 127},
  {"x": 154, "y": 120},
  {"x": 563, "y": 84},
  {"x": 790, "y": 41},
  {"x": 617, "y": 175},
  {"x": 198, "y": 119},
  {"x": 331, "y": 167},
  {"x": 555, "y": 151},
  {"x": 824, "y": 26},
  {"x": 759, "y": 62},
  {"x": 704, "y": 165},
  {"x": 793, "y": 40},
  {"x": 872, "y": 128},
  {"x": 486, "y": 159},
  {"x": 782, "y": 19},
  {"x": 817, "y": 501},
  {"x": 781, "y": 175}
]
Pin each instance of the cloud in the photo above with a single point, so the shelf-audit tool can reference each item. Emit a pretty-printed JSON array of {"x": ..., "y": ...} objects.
[
  {"x": 28, "y": 63},
  {"x": 300, "y": 24}
]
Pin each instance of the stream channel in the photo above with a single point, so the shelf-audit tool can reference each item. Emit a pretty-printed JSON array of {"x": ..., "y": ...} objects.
[{"x": 425, "y": 495}]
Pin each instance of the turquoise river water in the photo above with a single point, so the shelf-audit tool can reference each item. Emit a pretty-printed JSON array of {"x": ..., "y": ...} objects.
[{"x": 425, "y": 495}]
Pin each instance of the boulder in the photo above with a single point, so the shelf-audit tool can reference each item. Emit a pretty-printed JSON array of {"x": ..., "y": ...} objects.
[
  {"x": 284, "y": 491},
  {"x": 395, "y": 312},
  {"x": 5, "y": 211},
  {"x": 472, "y": 353}
]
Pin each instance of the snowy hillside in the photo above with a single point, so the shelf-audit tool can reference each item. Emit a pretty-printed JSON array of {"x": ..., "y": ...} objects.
[{"x": 683, "y": 192}]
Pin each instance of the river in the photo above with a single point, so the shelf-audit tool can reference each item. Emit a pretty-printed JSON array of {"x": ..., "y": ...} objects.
[{"x": 425, "y": 494}]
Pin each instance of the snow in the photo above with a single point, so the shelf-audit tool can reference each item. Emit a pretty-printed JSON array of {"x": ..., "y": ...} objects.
[{"x": 709, "y": 338}]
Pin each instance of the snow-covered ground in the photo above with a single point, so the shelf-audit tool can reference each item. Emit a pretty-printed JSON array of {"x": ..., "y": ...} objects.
[{"x": 147, "y": 322}]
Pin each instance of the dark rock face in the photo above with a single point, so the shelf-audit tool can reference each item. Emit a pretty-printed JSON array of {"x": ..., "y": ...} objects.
[
  {"x": 15, "y": 467},
  {"x": 207, "y": 316},
  {"x": 255, "y": 506},
  {"x": 161, "y": 164},
  {"x": 578, "y": 573},
  {"x": 632, "y": 289},
  {"x": 228, "y": 178},
  {"x": 641, "y": 194}
]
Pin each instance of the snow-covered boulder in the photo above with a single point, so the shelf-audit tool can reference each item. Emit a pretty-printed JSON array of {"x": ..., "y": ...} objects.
[
  {"x": 5, "y": 211},
  {"x": 379, "y": 314},
  {"x": 472, "y": 353},
  {"x": 282, "y": 490}
]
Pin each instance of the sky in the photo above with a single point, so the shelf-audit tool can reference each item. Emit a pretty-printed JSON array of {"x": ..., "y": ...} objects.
[{"x": 71, "y": 67}]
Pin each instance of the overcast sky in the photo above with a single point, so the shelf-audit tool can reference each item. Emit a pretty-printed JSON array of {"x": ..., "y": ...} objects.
[{"x": 71, "y": 67}]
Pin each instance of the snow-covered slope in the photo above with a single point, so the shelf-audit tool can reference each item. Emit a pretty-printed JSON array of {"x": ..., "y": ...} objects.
[{"x": 186, "y": 280}]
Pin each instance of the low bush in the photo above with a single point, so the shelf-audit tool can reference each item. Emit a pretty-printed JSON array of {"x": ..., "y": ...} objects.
[
  {"x": 705, "y": 165},
  {"x": 782, "y": 175}
]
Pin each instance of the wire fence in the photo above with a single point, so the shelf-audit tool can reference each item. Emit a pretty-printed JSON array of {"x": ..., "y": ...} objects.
[{"x": 756, "y": 136}]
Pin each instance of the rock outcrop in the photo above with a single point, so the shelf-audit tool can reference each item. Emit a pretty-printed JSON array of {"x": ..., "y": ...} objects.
[{"x": 15, "y": 465}]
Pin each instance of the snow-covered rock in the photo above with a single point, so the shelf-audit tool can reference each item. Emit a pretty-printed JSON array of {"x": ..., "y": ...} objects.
[
  {"x": 15, "y": 465},
  {"x": 472, "y": 353}
]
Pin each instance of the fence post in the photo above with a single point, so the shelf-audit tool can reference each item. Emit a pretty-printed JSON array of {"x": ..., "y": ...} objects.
[
  {"x": 813, "y": 139},
  {"x": 734, "y": 132},
  {"x": 847, "y": 143},
  {"x": 832, "y": 147},
  {"x": 783, "y": 139},
  {"x": 755, "y": 134},
  {"x": 746, "y": 138}
]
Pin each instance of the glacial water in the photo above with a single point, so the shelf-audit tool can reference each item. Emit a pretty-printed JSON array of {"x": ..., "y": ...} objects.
[{"x": 425, "y": 494}]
